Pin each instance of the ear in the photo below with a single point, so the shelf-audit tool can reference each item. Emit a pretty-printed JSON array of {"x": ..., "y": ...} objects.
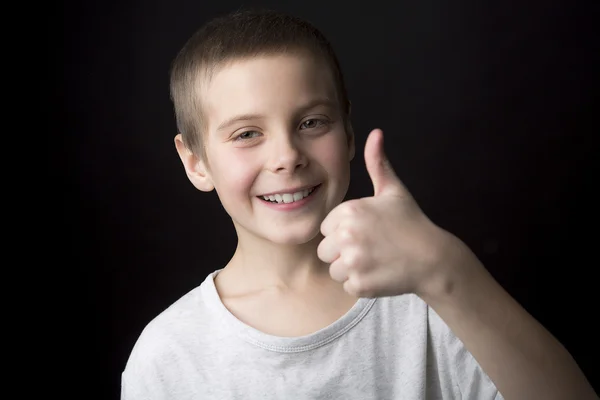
[
  {"x": 351, "y": 141},
  {"x": 350, "y": 133},
  {"x": 195, "y": 167}
]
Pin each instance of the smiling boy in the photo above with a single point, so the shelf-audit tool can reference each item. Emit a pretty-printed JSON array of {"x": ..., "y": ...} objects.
[{"x": 322, "y": 298}]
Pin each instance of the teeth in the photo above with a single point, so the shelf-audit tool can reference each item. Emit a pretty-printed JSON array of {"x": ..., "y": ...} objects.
[
  {"x": 288, "y": 197},
  {"x": 298, "y": 196}
]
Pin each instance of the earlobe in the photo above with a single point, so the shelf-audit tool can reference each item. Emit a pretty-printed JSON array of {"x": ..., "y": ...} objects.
[
  {"x": 351, "y": 143},
  {"x": 350, "y": 132},
  {"x": 195, "y": 167}
]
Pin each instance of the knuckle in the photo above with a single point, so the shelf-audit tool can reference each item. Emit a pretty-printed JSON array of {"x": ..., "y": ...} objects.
[
  {"x": 346, "y": 235},
  {"x": 351, "y": 208},
  {"x": 320, "y": 252},
  {"x": 353, "y": 257},
  {"x": 361, "y": 288},
  {"x": 324, "y": 251}
]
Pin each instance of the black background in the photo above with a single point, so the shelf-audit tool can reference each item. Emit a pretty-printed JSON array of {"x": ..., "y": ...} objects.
[{"x": 489, "y": 119}]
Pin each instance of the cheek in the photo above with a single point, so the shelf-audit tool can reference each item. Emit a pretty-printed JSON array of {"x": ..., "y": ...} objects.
[
  {"x": 334, "y": 154},
  {"x": 234, "y": 173}
]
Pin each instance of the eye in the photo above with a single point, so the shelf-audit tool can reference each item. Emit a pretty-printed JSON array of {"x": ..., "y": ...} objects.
[
  {"x": 313, "y": 123},
  {"x": 247, "y": 135}
]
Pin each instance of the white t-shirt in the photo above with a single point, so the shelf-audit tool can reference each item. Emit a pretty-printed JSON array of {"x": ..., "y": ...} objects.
[{"x": 384, "y": 348}]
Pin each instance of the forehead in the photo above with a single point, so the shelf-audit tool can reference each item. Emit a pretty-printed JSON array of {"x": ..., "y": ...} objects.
[{"x": 268, "y": 85}]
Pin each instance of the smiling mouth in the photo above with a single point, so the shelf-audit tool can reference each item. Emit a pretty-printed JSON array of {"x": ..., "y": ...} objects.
[{"x": 285, "y": 198}]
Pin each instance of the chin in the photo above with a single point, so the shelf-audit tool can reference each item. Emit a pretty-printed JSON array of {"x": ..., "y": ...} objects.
[{"x": 291, "y": 238}]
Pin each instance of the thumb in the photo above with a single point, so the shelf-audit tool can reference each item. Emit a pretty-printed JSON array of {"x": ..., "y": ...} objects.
[{"x": 378, "y": 166}]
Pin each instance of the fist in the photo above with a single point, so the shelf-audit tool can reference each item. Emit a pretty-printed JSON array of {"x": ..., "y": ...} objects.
[{"x": 382, "y": 245}]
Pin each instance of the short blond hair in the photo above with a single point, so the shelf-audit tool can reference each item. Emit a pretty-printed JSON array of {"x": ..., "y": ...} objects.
[{"x": 238, "y": 35}]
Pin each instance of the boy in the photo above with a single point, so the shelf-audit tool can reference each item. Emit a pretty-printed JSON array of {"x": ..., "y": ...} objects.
[{"x": 363, "y": 299}]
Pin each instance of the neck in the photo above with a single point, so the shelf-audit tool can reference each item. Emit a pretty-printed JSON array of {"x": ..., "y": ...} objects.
[{"x": 261, "y": 264}]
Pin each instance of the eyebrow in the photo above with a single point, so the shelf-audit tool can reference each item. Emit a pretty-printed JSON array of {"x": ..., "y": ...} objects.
[{"x": 249, "y": 117}]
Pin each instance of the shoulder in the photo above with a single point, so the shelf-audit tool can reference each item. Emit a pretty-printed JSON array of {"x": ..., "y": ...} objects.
[
  {"x": 161, "y": 338},
  {"x": 454, "y": 365},
  {"x": 162, "y": 348},
  {"x": 408, "y": 304},
  {"x": 450, "y": 366}
]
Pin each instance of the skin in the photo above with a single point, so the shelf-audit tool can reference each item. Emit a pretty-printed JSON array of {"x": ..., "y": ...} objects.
[
  {"x": 382, "y": 245},
  {"x": 286, "y": 145}
]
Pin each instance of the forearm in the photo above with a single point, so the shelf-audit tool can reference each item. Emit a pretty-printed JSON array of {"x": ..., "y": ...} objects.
[{"x": 518, "y": 354}]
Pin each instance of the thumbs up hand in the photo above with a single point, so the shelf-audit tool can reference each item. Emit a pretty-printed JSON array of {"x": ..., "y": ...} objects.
[{"x": 383, "y": 245}]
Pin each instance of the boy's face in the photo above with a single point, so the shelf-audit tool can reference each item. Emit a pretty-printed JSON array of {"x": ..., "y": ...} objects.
[{"x": 275, "y": 127}]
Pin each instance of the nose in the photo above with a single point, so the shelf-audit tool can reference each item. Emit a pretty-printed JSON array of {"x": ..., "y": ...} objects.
[{"x": 286, "y": 154}]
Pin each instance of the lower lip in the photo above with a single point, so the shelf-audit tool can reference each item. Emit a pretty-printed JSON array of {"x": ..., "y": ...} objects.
[{"x": 291, "y": 206}]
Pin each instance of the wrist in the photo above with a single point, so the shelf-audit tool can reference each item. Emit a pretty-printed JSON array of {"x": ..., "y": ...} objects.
[{"x": 455, "y": 265}]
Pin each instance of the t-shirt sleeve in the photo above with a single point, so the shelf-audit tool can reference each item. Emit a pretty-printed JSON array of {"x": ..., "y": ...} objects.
[
  {"x": 458, "y": 373},
  {"x": 142, "y": 377}
]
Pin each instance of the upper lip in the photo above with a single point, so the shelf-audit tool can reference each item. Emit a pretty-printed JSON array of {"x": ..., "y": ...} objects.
[{"x": 292, "y": 190}]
